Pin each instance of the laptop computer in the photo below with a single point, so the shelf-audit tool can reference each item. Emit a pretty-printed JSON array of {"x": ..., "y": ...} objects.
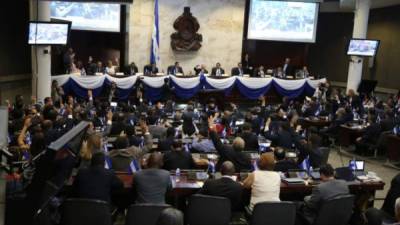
[{"x": 358, "y": 167}]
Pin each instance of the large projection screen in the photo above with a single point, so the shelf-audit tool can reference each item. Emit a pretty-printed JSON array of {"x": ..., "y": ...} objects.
[
  {"x": 283, "y": 21},
  {"x": 88, "y": 16}
]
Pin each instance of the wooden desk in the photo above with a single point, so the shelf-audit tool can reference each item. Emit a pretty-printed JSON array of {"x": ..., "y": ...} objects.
[
  {"x": 185, "y": 186},
  {"x": 349, "y": 134},
  {"x": 314, "y": 122},
  {"x": 393, "y": 147}
]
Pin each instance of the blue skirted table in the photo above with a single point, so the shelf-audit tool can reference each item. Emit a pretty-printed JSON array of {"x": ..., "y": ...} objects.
[{"x": 187, "y": 87}]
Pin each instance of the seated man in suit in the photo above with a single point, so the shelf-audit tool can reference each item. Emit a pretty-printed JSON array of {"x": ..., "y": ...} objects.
[
  {"x": 278, "y": 72},
  {"x": 329, "y": 188},
  {"x": 282, "y": 163},
  {"x": 226, "y": 186},
  {"x": 150, "y": 69},
  {"x": 303, "y": 73},
  {"x": 259, "y": 72},
  {"x": 151, "y": 184},
  {"x": 370, "y": 136},
  {"x": 250, "y": 138},
  {"x": 174, "y": 69},
  {"x": 165, "y": 144},
  {"x": 96, "y": 182},
  {"x": 132, "y": 69},
  {"x": 233, "y": 153},
  {"x": 237, "y": 71},
  {"x": 287, "y": 68},
  {"x": 178, "y": 158},
  {"x": 200, "y": 69},
  {"x": 99, "y": 68},
  {"x": 217, "y": 70}
]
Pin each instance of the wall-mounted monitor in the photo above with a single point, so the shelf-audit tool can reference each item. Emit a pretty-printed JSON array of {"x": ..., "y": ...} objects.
[
  {"x": 48, "y": 33},
  {"x": 276, "y": 20},
  {"x": 88, "y": 15},
  {"x": 363, "y": 47}
]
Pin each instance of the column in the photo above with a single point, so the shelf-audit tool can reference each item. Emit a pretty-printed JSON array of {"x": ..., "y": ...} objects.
[
  {"x": 361, "y": 15},
  {"x": 41, "y": 57}
]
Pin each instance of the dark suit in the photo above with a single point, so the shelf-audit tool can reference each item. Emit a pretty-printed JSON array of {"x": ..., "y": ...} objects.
[
  {"x": 251, "y": 141},
  {"x": 91, "y": 68},
  {"x": 323, "y": 192},
  {"x": 174, "y": 70},
  {"x": 225, "y": 187},
  {"x": 258, "y": 73},
  {"x": 148, "y": 69},
  {"x": 96, "y": 183},
  {"x": 178, "y": 159},
  {"x": 131, "y": 70},
  {"x": 117, "y": 127},
  {"x": 214, "y": 71},
  {"x": 391, "y": 196},
  {"x": 288, "y": 71},
  {"x": 165, "y": 144},
  {"x": 236, "y": 71},
  {"x": 227, "y": 153},
  {"x": 285, "y": 165}
]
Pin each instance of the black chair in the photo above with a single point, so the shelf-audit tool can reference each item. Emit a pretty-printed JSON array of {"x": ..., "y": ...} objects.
[
  {"x": 336, "y": 211},
  {"x": 144, "y": 214},
  {"x": 85, "y": 212},
  {"x": 210, "y": 210},
  {"x": 274, "y": 213}
]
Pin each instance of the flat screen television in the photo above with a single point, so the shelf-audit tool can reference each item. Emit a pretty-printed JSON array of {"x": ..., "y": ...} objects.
[
  {"x": 48, "y": 33},
  {"x": 363, "y": 47}
]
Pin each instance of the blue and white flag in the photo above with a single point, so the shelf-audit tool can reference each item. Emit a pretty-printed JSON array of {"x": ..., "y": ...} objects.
[
  {"x": 133, "y": 167},
  {"x": 155, "y": 39}
]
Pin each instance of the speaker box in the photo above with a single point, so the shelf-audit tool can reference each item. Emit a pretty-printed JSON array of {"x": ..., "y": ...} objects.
[{"x": 367, "y": 86}]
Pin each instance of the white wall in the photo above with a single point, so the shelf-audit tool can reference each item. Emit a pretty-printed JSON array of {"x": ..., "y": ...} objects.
[{"x": 221, "y": 24}]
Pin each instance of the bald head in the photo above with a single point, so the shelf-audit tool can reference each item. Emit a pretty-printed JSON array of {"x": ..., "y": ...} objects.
[
  {"x": 155, "y": 160},
  {"x": 227, "y": 168},
  {"x": 238, "y": 144}
]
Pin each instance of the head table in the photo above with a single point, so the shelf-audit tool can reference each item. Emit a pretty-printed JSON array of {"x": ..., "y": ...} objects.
[{"x": 187, "y": 87}]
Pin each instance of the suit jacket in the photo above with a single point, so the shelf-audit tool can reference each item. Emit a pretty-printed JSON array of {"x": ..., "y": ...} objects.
[
  {"x": 117, "y": 128},
  {"x": 227, "y": 153},
  {"x": 289, "y": 70},
  {"x": 250, "y": 140},
  {"x": 323, "y": 192},
  {"x": 236, "y": 71},
  {"x": 178, "y": 159},
  {"x": 172, "y": 70},
  {"x": 285, "y": 165},
  {"x": 165, "y": 144},
  {"x": 225, "y": 187},
  {"x": 392, "y": 195},
  {"x": 149, "y": 69},
  {"x": 96, "y": 183},
  {"x": 151, "y": 185},
  {"x": 131, "y": 70},
  {"x": 214, "y": 71},
  {"x": 371, "y": 133}
]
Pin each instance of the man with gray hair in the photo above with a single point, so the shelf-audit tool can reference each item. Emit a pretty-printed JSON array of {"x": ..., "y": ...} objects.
[
  {"x": 397, "y": 211},
  {"x": 233, "y": 153},
  {"x": 226, "y": 186}
]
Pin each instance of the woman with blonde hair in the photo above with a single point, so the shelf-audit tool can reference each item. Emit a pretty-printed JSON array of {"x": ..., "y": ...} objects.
[
  {"x": 265, "y": 184},
  {"x": 90, "y": 146}
]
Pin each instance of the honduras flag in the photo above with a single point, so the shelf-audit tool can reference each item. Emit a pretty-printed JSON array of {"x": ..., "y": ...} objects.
[{"x": 155, "y": 39}]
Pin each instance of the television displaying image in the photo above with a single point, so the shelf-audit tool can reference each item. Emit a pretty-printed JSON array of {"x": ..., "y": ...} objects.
[
  {"x": 89, "y": 16},
  {"x": 363, "y": 47},
  {"x": 48, "y": 33},
  {"x": 291, "y": 21}
]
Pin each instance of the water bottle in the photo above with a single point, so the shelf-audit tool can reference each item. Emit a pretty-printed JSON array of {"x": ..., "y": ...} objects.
[{"x": 178, "y": 174}]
